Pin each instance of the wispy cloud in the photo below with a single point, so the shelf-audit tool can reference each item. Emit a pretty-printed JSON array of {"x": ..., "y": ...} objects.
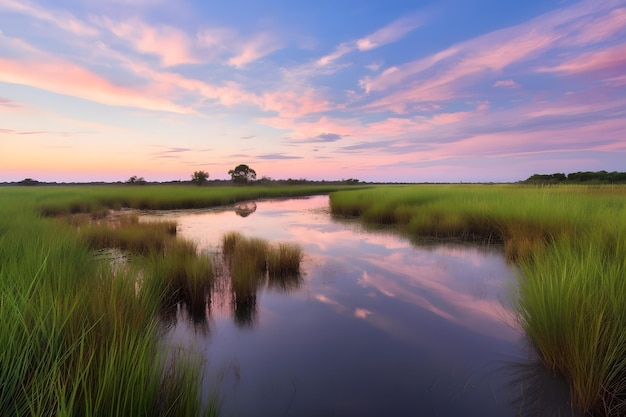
[
  {"x": 63, "y": 20},
  {"x": 610, "y": 62},
  {"x": 67, "y": 78},
  {"x": 259, "y": 46},
  {"x": 240, "y": 50},
  {"x": 32, "y": 132},
  {"x": 8, "y": 103},
  {"x": 447, "y": 74},
  {"x": 388, "y": 34},
  {"x": 326, "y": 137},
  {"x": 506, "y": 84},
  {"x": 277, "y": 156},
  {"x": 171, "y": 45}
]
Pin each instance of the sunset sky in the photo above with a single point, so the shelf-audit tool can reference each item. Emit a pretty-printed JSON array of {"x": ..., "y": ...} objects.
[{"x": 394, "y": 90}]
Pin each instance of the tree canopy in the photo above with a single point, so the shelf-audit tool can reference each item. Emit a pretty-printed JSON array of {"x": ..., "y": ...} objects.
[
  {"x": 600, "y": 177},
  {"x": 199, "y": 177},
  {"x": 135, "y": 180},
  {"x": 242, "y": 173}
]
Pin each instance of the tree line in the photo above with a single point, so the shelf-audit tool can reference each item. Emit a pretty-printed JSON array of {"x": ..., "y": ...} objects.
[
  {"x": 242, "y": 174},
  {"x": 594, "y": 177}
]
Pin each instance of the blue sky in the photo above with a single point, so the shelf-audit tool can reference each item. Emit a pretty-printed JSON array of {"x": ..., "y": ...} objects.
[{"x": 379, "y": 91}]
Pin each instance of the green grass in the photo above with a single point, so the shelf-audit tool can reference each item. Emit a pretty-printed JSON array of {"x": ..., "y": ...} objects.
[
  {"x": 81, "y": 337},
  {"x": 251, "y": 261},
  {"x": 283, "y": 260},
  {"x": 62, "y": 200},
  {"x": 126, "y": 233},
  {"x": 180, "y": 274},
  {"x": 79, "y": 341},
  {"x": 570, "y": 244}
]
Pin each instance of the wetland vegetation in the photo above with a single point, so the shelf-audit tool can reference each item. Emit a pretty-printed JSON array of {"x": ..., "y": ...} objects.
[
  {"x": 570, "y": 244},
  {"x": 82, "y": 338}
]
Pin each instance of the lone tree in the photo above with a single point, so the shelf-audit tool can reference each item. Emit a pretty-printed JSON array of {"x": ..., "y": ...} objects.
[
  {"x": 136, "y": 180},
  {"x": 199, "y": 177},
  {"x": 242, "y": 174},
  {"x": 28, "y": 181}
]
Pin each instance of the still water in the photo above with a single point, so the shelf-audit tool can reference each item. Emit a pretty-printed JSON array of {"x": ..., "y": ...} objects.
[{"x": 375, "y": 326}]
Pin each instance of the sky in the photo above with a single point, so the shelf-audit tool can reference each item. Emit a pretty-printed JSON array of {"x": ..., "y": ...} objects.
[{"x": 385, "y": 91}]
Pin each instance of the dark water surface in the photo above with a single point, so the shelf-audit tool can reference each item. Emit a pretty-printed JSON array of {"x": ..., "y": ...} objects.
[{"x": 376, "y": 326}]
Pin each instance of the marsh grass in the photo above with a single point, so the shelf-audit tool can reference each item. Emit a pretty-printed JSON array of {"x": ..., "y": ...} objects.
[
  {"x": 64, "y": 200},
  {"x": 81, "y": 338},
  {"x": 283, "y": 260},
  {"x": 180, "y": 274},
  {"x": 571, "y": 303},
  {"x": 128, "y": 234},
  {"x": 78, "y": 339},
  {"x": 570, "y": 244},
  {"x": 253, "y": 261}
]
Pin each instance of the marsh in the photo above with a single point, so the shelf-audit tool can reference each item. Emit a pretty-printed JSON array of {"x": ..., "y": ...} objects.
[{"x": 374, "y": 325}]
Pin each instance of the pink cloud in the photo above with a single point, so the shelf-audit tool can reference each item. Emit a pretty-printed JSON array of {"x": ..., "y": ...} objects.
[
  {"x": 362, "y": 313},
  {"x": 602, "y": 135},
  {"x": 341, "y": 50},
  {"x": 506, "y": 84},
  {"x": 64, "y": 21},
  {"x": 395, "y": 75},
  {"x": 611, "y": 61},
  {"x": 171, "y": 45},
  {"x": 595, "y": 29},
  {"x": 66, "y": 78},
  {"x": 259, "y": 46},
  {"x": 288, "y": 104},
  {"x": 447, "y": 74},
  {"x": 391, "y": 127},
  {"x": 574, "y": 104},
  {"x": 390, "y": 33},
  {"x": 301, "y": 130},
  {"x": 228, "y": 42},
  {"x": 449, "y": 118},
  {"x": 215, "y": 37},
  {"x": 8, "y": 104},
  {"x": 174, "y": 85},
  {"x": 394, "y": 126},
  {"x": 295, "y": 104}
]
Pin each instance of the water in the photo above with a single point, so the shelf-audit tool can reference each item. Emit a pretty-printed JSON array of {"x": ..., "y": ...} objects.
[{"x": 375, "y": 326}]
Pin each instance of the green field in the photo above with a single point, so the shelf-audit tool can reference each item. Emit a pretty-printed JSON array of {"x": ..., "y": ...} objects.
[{"x": 81, "y": 338}]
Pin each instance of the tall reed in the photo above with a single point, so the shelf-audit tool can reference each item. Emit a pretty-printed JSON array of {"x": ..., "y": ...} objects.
[
  {"x": 179, "y": 273},
  {"x": 284, "y": 259},
  {"x": 252, "y": 260},
  {"x": 77, "y": 339}
]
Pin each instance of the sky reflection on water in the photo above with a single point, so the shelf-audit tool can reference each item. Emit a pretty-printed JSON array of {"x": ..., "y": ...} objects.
[{"x": 376, "y": 326}]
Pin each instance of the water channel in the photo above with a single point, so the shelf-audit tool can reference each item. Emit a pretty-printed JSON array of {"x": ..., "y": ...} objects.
[{"x": 375, "y": 326}]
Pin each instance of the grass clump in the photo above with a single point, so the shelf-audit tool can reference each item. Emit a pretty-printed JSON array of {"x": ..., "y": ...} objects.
[
  {"x": 571, "y": 304},
  {"x": 252, "y": 260},
  {"x": 284, "y": 260},
  {"x": 179, "y": 274},
  {"x": 247, "y": 261},
  {"x": 128, "y": 234}
]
